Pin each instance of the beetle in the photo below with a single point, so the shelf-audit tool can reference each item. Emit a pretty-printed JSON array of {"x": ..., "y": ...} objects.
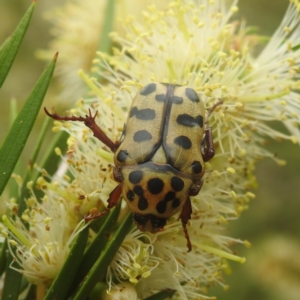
[{"x": 159, "y": 160}]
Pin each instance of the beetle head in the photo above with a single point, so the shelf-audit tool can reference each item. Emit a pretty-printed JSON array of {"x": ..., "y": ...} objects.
[{"x": 149, "y": 222}]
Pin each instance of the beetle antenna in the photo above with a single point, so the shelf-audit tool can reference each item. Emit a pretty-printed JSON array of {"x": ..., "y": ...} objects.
[{"x": 214, "y": 107}]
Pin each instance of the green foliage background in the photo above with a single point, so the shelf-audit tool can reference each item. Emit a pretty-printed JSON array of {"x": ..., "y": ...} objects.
[{"x": 272, "y": 224}]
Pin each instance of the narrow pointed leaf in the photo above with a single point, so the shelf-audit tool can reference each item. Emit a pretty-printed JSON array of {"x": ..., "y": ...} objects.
[
  {"x": 3, "y": 257},
  {"x": 25, "y": 194},
  {"x": 12, "y": 280},
  {"x": 32, "y": 293},
  {"x": 61, "y": 285},
  {"x": 19, "y": 132},
  {"x": 107, "y": 27},
  {"x": 4, "y": 44},
  {"x": 13, "y": 188},
  {"x": 167, "y": 294},
  {"x": 98, "y": 272},
  {"x": 11, "y": 46},
  {"x": 94, "y": 250},
  {"x": 99, "y": 290},
  {"x": 50, "y": 160},
  {"x": 39, "y": 141}
]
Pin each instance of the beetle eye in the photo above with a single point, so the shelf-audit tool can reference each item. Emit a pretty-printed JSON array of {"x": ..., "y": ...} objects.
[
  {"x": 141, "y": 220},
  {"x": 158, "y": 223}
]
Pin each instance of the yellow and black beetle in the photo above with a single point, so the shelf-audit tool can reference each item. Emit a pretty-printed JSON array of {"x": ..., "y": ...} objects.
[{"x": 159, "y": 160}]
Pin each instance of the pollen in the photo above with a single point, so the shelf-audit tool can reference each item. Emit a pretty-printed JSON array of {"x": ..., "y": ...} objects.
[
  {"x": 250, "y": 195},
  {"x": 234, "y": 9},
  {"x": 230, "y": 170},
  {"x": 13, "y": 242},
  {"x": 255, "y": 88},
  {"x": 57, "y": 151},
  {"x": 233, "y": 194}
]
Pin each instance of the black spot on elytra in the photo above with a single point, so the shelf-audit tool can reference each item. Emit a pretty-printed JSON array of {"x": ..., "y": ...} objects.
[
  {"x": 142, "y": 135},
  {"x": 175, "y": 203},
  {"x": 189, "y": 121},
  {"x": 138, "y": 190},
  {"x": 130, "y": 195},
  {"x": 143, "y": 203},
  {"x": 177, "y": 184},
  {"x": 158, "y": 223},
  {"x": 177, "y": 100},
  {"x": 169, "y": 196},
  {"x": 140, "y": 219},
  {"x": 192, "y": 95},
  {"x": 155, "y": 185},
  {"x": 160, "y": 98},
  {"x": 122, "y": 155},
  {"x": 196, "y": 167},
  {"x": 135, "y": 176},
  {"x": 161, "y": 206},
  {"x": 148, "y": 89},
  {"x": 142, "y": 114},
  {"x": 183, "y": 141}
]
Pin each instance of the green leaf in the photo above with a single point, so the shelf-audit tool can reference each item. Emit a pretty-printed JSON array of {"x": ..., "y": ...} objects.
[
  {"x": 11, "y": 46},
  {"x": 24, "y": 287},
  {"x": 19, "y": 132},
  {"x": 98, "y": 272},
  {"x": 4, "y": 44},
  {"x": 13, "y": 187},
  {"x": 92, "y": 253},
  {"x": 32, "y": 293},
  {"x": 107, "y": 27},
  {"x": 3, "y": 257},
  {"x": 25, "y": 194},
  {"x": 50, "y": 160},
  {"x": 61, "y": 285},
  {"x": 99, "y": 290},
  {"x": 167, "y": 294},
  {"x": 39, "y": 141},
  {"x": 12, "y": 280}
]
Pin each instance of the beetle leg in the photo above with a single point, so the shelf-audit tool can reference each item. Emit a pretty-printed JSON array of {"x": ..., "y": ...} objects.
[
  {"x": 113, "y": 200},
  {"x": 88, "y": 121},
  {"x": 117, "y": 174},
  {"x": 196, "y": 187},
  {"x": 185, "y": 215},
  {"x": 209, "y": 150},
  {"x": 114, "y": 196}
]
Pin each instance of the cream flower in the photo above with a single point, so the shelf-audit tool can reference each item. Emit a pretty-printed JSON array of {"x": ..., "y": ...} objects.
[
  {"x": 191, "y": 43},
  {"x": 78, "y": 25},
  {"x": 42, "y": 236},
  {"x": 78, "y": 28},
  {"x": 123, "y": 291}
]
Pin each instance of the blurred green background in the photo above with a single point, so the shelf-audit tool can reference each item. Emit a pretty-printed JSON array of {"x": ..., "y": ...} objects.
[{"x": 272, "y": 224}]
